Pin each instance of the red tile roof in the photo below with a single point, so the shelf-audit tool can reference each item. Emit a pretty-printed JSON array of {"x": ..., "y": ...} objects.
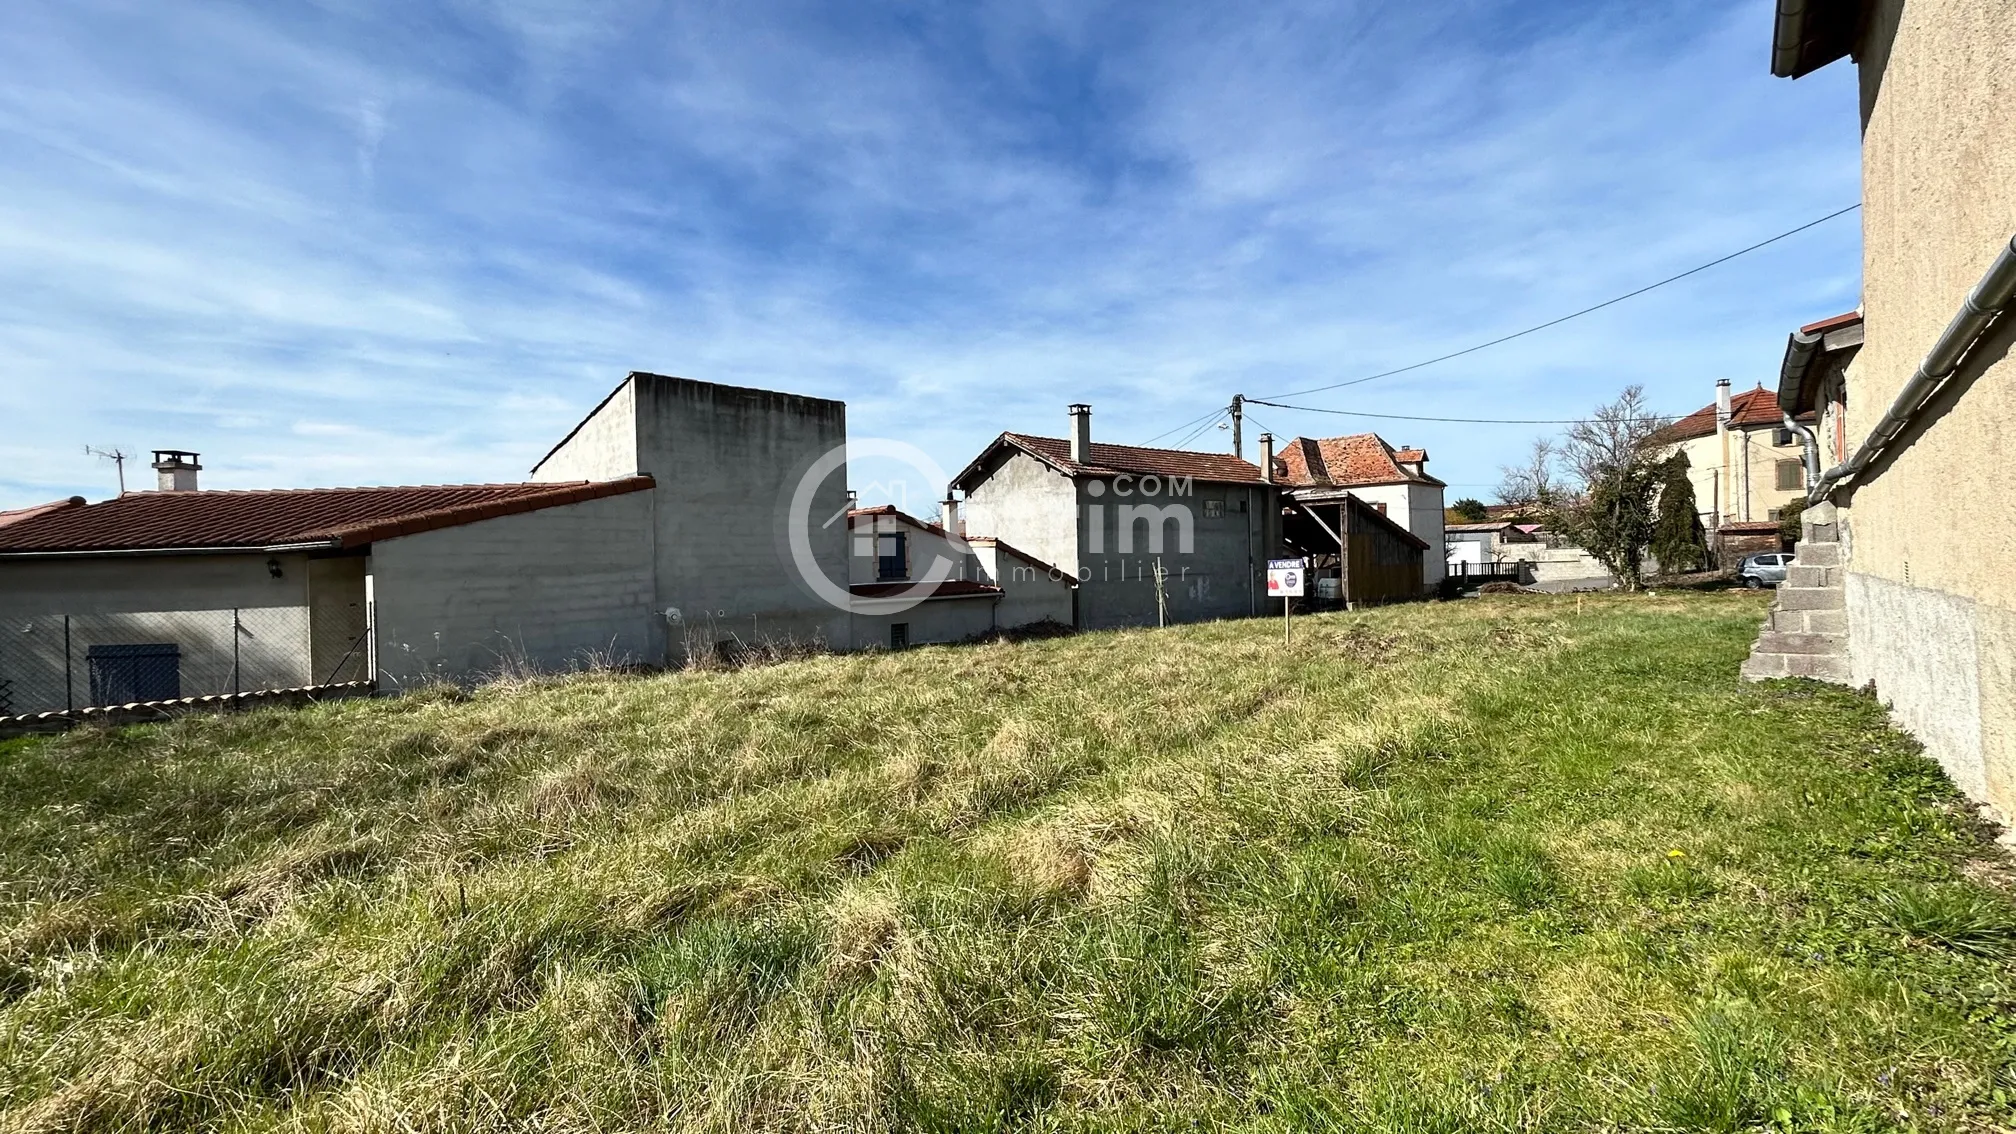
[
  {"x": 950, "y": 588},
  {"x": 1748, "y": 527},
  {"x": 1359, "y": 460},
  {"x": 1751, "y": 409},
  {"x": 1111, "y": 460},
  {"x": 1834, "y": 324},
  {"x": 336, "y": 517},
  {"x": 891, "y": 510},
  {"x": 1004, "y": 545},
  {"x": 19, "y": 514}
]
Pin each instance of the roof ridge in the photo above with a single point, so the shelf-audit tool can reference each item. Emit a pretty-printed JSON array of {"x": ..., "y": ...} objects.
[{"x": 539, "y": 484}]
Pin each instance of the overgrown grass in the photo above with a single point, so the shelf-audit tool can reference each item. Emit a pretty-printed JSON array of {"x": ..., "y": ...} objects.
[{"x": 1523, "y": 863}]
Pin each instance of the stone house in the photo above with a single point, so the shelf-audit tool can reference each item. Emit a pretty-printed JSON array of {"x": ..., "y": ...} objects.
[
  {"x": 1746, "y": 463},
  {"x": 1112, "y": 516},
  {"x": 1394, "y": 482},
  {"x": 915, "y": 582},
  {"x": 1897, "y": 581}
]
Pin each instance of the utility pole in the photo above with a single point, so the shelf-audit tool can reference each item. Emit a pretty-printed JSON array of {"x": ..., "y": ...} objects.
[
  {"x": 118, "y": 459},
  {"x": 1238, "y": 417}
]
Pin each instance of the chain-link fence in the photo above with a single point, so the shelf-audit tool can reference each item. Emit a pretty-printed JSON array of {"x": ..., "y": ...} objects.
[{"x": 60, "y": 661}]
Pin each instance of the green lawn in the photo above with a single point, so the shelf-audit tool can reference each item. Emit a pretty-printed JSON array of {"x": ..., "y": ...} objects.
[{"x": 1515, "y": 863}]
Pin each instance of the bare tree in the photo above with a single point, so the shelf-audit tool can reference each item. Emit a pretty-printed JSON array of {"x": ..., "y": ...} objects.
[
  {"x": 1611, "y": 439},
  {"x": 1532, "y": 484}
]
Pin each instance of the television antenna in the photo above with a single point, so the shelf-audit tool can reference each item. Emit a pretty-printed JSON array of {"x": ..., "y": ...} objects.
[{"x": 118, "y": 459}]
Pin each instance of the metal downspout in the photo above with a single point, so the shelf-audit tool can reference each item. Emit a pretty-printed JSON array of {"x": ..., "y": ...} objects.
[
  {"x": 1983, "y": 304},
  {"x": 1810, "y": 444}
]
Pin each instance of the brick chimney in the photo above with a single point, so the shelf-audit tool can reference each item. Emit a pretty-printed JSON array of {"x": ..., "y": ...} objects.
[
  {"x": 176, "y": 470},
  {"x": 948, "y": 511},
  {"x": 1721, "y": 404},
  {"x": 1081, "y": 433}
]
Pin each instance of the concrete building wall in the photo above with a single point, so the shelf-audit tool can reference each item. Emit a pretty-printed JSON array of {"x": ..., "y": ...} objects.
[
  {"x": 1029, "y": 593},
  {"x": 726, "y": 461},
  {"x": 337, "y": 620},
  {"x": 1747, "y": 487},
  {"x": 602, "y": 447},
  {"x": 548, "y": 590},
  {"x": 933, "y": 621},
  {"x": 923, "y": 547},
  {"x": 186, "y": 600},
  {"x": 1221, "y": 576},
  {"x": 1032, "y": 506},
  {"x": 1931, "y": 591}
]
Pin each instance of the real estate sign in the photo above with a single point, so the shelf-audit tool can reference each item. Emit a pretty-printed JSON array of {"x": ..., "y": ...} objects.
[{"x": 1285, "y": 577}]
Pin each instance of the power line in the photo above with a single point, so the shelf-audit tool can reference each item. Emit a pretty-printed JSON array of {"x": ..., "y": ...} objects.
[
  {"x": 1202, "y": 429},
  {"x": 1572, "y": 315},
  {"x": 1212, "y": 414},
  {"x": 1462, "y": 420}
]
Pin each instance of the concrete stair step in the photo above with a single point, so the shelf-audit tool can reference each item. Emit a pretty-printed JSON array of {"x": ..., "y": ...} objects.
[
  {"x": 1822, "y": 667},
  {"x": 1810, "y": 621},
  {"x": 1785, "y": 642},
  {"x": 1809, "y": 598},
  {"x": 1805, "y": 575},
  {"x": 1808, "y": 554}
]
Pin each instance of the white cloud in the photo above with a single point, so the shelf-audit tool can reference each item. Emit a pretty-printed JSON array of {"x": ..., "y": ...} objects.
[{"x": 415, "y": 243}]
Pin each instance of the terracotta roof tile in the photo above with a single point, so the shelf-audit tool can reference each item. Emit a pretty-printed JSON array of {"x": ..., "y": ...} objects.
[
  {"x": 1835, "y": 323},
  {"x": 339, "y": 517},
  {"x": 1751, "y": 409},
  {"x": 1109, "y": 459},
  {"x": 1344, "y": 462}
]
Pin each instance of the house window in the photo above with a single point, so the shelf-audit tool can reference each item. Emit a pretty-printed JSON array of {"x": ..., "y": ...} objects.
[
  {"x": 1781, "y": 437},
  {"x": 1774, "y": 514},
  {"x": 892, "y": 560},
  {"x": 1791, "y": 477},
  {"x": 1213, "y": 509},
  {"x": 899, "y": 635},
  {"x": 1381, "y": 507},
  {"x": 123, "y": 674}
]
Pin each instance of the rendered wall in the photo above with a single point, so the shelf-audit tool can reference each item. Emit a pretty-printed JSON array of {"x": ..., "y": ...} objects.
[
  {"x": 1222, "y": 576},
  {"x": 1029, "y": 593},
  {"x": 128, "y": 600},
  {"x": 726, "y": 460},
  {"x": 602, "y": 447},
  {"x": 1029, "y": 504},
  {"x": 938, "y": 620},
  {"x": 1931, "y": 591},
  {"x": 547, "y": 590}
]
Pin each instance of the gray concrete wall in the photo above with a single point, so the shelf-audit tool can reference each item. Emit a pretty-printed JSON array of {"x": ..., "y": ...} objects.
[
  {"x": 1028, "y": 592},
  {"x": 602, "y": 447},
  {"x": 186, "y": 600},
  {"x": 337, "y": 620},
  {"x": 938, "y": 620},
  {"x": 1032, "y": 506},
  {"x": 1926, "y": 651},
  {"x": 1221, "y": 577},
  {"x": 726, "y": 461},
  {"x": 549, "y": 590}
]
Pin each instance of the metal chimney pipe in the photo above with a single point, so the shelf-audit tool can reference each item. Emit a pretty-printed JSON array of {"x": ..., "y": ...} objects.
[
  {"x": 1267, "y": 457},
  {"x": 1081, "y": 433},
  {"x": 1721, "y": 404}
]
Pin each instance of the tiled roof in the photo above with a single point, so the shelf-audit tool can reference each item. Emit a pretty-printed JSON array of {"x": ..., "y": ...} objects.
[
  {"x": 1750, "y": 527},
  {"x": 1108, "y": 460},
  {"x": 950, "y": 588},
  {"x": 20, "y": 514},
  {"x": 1751, "y": 409},
  {"x": 1004, "y": 545},
  {"x": 1360, "y": 459},
  {"x": 891, "y": 510},
  {"x": 1485, "y": 526},
  {"x": 336, "y": 517},
  {"x": 1835, "y": 323}
]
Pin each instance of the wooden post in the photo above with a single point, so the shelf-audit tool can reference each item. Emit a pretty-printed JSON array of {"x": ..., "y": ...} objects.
[
  {"x": 1287, "y": 628},
  {"x": 1344, "y": 551}
]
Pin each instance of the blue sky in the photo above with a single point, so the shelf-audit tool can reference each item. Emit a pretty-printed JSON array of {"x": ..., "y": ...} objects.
[{"x": 412, "y": 242}]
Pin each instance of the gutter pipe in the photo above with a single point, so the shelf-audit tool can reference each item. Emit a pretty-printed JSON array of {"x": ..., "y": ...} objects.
[
  {"x": 1809, "y": 444},
  {"x": 1984, "y": 303}
]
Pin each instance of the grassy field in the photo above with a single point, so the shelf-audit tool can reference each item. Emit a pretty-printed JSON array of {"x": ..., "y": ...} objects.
[{"x": 1515, "y": 863}]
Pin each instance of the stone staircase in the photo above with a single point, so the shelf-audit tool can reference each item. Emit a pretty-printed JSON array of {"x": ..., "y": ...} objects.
[{"x": 1806, "y": 634}]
